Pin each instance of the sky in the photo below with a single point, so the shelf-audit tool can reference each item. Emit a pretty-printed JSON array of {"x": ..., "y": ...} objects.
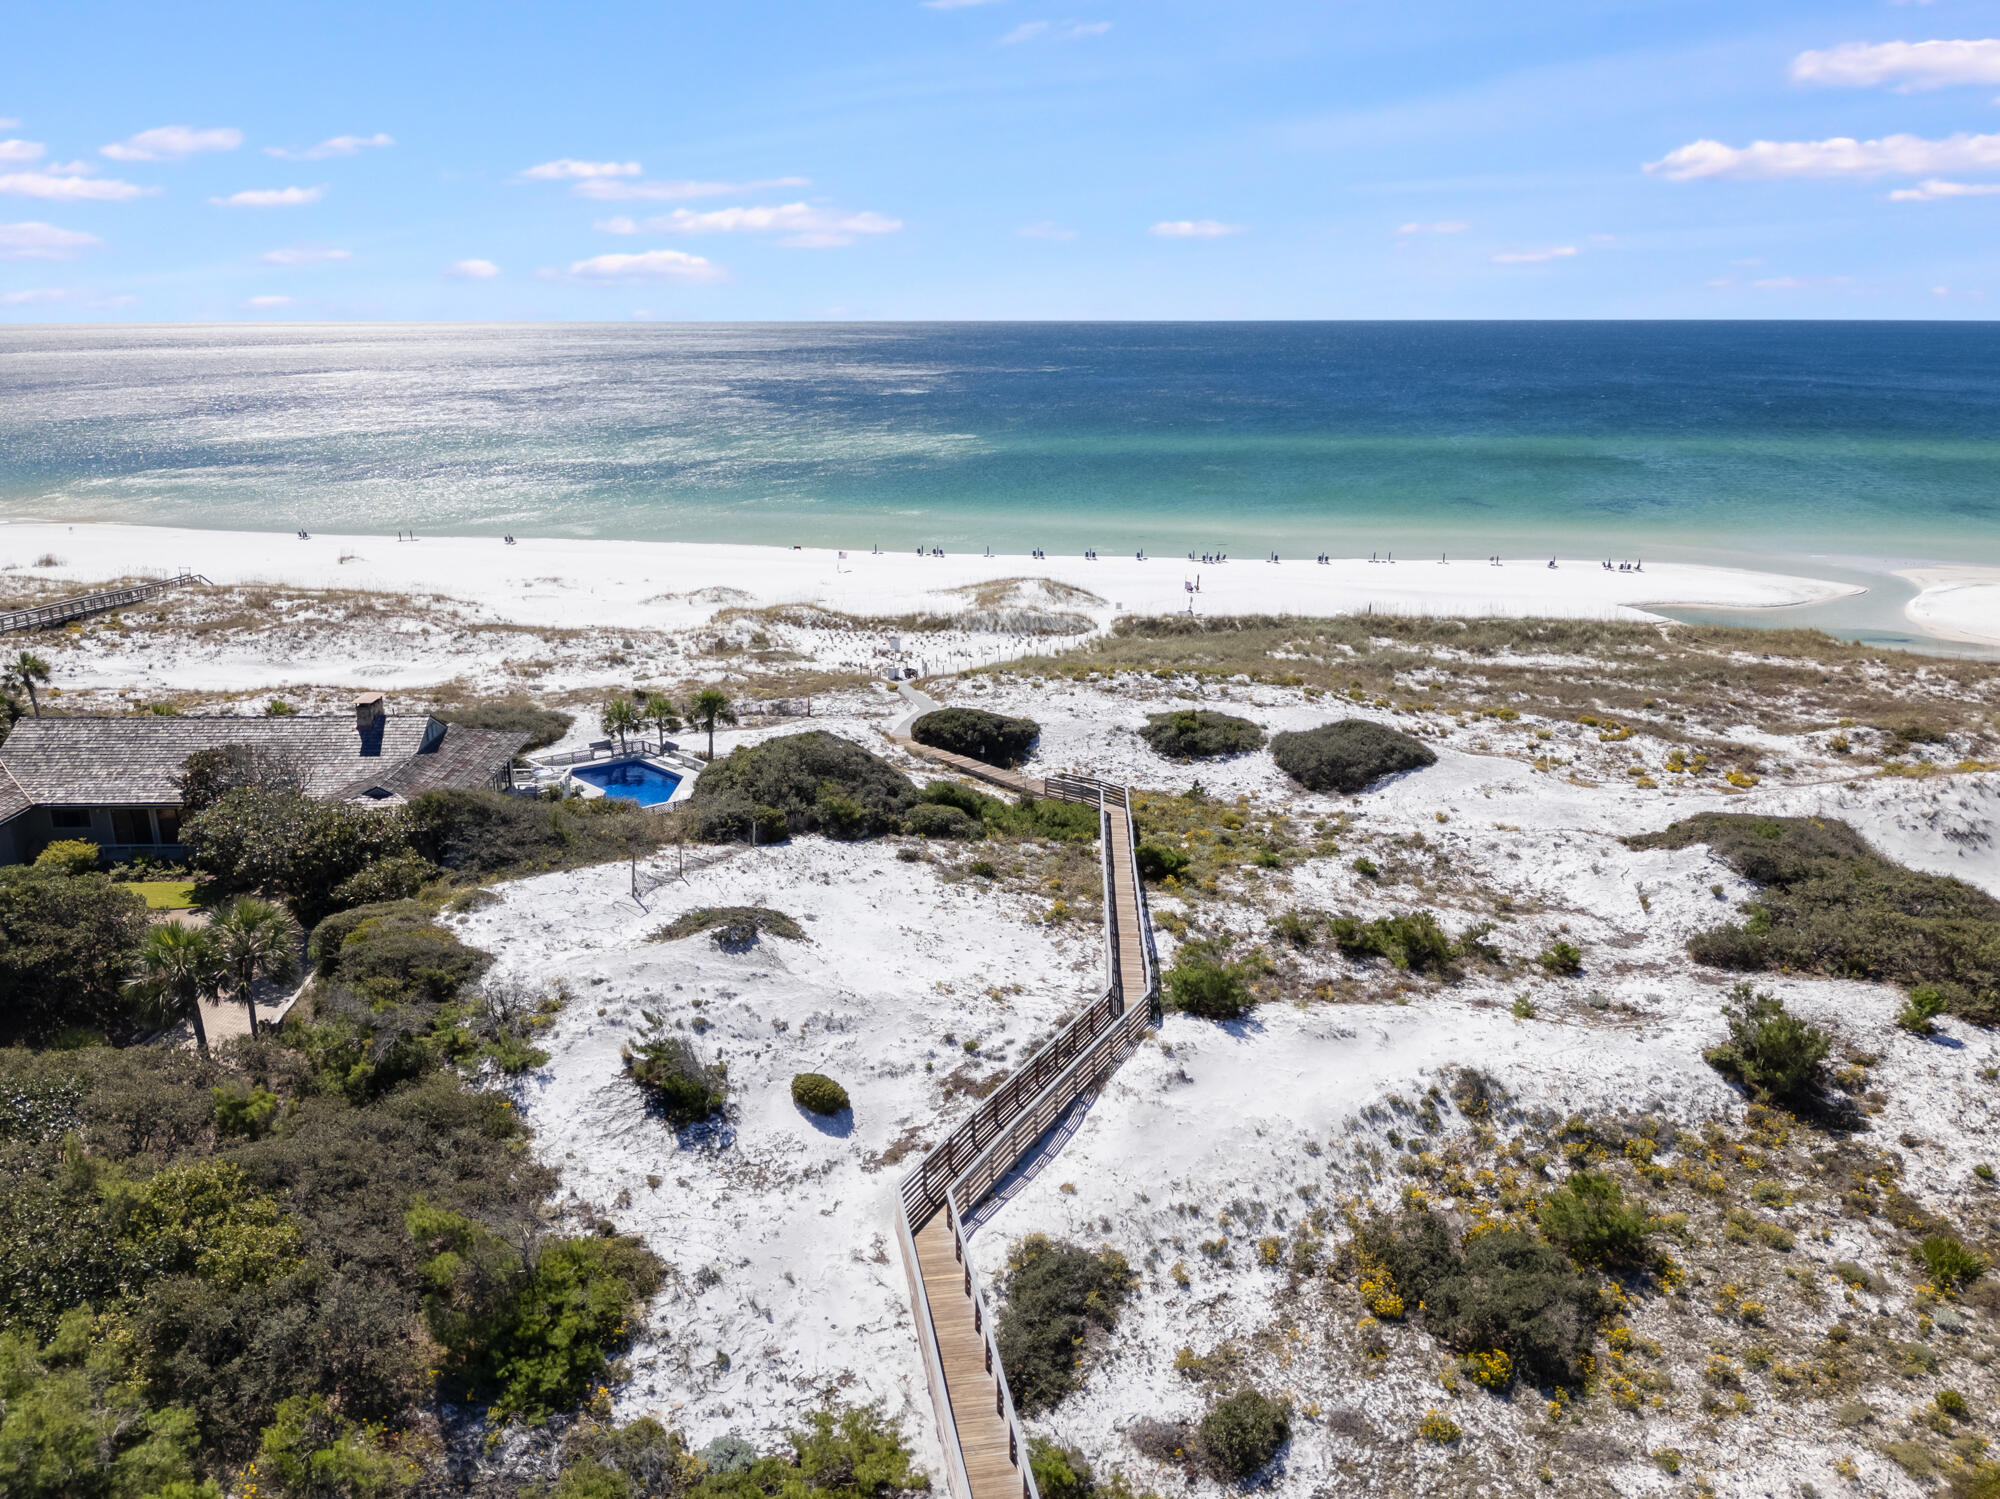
[{"x": 999, "y": 159}]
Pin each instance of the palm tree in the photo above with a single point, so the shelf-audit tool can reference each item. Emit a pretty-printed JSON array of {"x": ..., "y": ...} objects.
[
  {"x": 658, "y": 710},
  {"x": 621, "y": 717},
  {"x": 22, "y": 673},
  {"x": 709, "y": 707},
  {"x": 179, "y": 967},
  {"x": 256, "y": 940}
]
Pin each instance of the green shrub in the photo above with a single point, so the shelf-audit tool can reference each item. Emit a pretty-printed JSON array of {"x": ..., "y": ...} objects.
[
  {"x": 1200, "y": 734},
  {"x": 819, "y": 781},
  {"x": 672, "y": 1075},
  {"x": 929, "y": 820},
  {"x": 1588, "y": 1216},
  {"x": 1030, "y": 817},
  {"x": 484, "y": 834},
  {"x": 1831, "y": 904},
  {"x": 1413, "y": 942},
  {"x": 1348, "y": 756},
  {"x": 1202, "y": 983},
  {"x": 1923, "y": 1006},
  {"x": 1157, "y": 863},
  {"x": 1949, "y": 1263},
  {"x": 398, "y": 877},
  {"x": 1502, "y": 1289},
  {"x": 66, "y": 949},
  {"x": 1060, "y": 1472},
  {"x": 68, "y": 856},
  {"x": 1562, "y": 959},
  {"x": 542, "y": 726},
  {"x": 287, "y": 844},
  {"x": 1240, "y": 1435},
  {"x": 393, "y": 960},
  {"x": 733, "y": 925},
  {"x": 817, "y": 1093},
  {"x": 992, "y": 738},
  {"x": 529, "y": 1335},
  {"x": 1055, "y": 1293},
  {"x": 311, "y": 1449},
  {"x": 1771, "y": 1052}
]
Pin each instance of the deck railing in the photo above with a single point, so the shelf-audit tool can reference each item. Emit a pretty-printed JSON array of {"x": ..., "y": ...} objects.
[
  {"x": 962, "y": 1171},
  {"x": 41, "y": 616}
]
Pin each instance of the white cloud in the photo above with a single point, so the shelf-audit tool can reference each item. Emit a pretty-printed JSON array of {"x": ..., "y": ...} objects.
[
  {"x": 171, "y": 143},
  {"x": 1045, "y": 229},
  {"x": 1194, "y": 229},
  {"x": 647, "y": 265},
  {"x": 565, "y": 169},
  {"x": 305, "y": 255},
  {"x": 617, "y": 224},
  {"x": 272, "y": 197},
  {"x": 339, "y": 145},
  {"x": 1932, "y": 188},
  {"x": 1842, "y": 156},
  {"x": 38, "y": 241},
  {"x": 1027, "y": 31},
  {"x": 1062, "y": 31},
  {"x": 37, "y": 294},
  {"x": 1534, "y": 257},
  {"x": 268, "y": 302},
  {"x": 805, "y": 226},
  {"x": 1442, "y": 226},
  {"x": 18, "y": 150},
  {"x": 1909, "y": 65},
  {"x": 607, "y": 190},
  {"x": 473, "y": 270},
  {"x": 953, "y": 4},
  {"x": 10, "y": 124},
  {"x": 71, "y": 189}
]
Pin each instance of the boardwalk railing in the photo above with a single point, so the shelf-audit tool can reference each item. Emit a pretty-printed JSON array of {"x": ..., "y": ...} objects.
[
  {"x": 41, "y": 616},
  {"x": 961, "y": 1172}
]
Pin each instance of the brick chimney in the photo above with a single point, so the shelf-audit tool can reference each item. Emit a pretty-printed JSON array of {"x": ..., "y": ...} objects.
[{"x": 369, "y": 711}]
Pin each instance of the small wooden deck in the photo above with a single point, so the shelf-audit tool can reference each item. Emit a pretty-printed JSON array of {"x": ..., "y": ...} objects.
[{"x": 975, "y": 1417}]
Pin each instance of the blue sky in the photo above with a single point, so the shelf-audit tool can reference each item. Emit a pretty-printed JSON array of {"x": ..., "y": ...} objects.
[{"x": 1000, "y": 159}]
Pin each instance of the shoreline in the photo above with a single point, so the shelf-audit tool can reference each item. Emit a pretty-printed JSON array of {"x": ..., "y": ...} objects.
[
  {"x": 600, "y": 583},
  {"x": 1955, "y": 603}
]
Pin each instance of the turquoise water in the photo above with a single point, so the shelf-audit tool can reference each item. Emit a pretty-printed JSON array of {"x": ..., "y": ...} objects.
[
  {"x": 631, "y": 780},
  {"x": 1839, "y": 448}
]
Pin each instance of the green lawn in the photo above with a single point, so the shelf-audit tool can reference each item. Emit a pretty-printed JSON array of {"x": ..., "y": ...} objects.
[{"x": 164, "y": 895}]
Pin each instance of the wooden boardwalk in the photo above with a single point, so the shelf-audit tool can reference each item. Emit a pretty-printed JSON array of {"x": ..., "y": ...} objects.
[
  {"x": 985, "y": 1446},
  {"x": 44, "y": 616}
]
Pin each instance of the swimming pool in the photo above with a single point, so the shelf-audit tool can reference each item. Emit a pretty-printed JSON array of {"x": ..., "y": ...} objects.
[{"x": 638, "y": 781}]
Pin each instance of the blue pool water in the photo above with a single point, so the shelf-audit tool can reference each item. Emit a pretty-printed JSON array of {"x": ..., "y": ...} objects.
[{"x": 631, "y": 780}]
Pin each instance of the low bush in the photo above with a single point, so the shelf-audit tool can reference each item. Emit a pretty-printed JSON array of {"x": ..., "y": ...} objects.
[
  {"x": 1503, "y": 1289},
  {"x": 395, "y": 954},
  {"x": 1157, "y": 863},
  {"x": 1778, "y": 1057},
  {"x": 1200, "y": 734},
  {"x": 992, "y": 738},
  {"x": 817, "y": 1093},
  {"x": 1030, "y": 817},
  {"x": 1202, "y": 982},
  {"x": 1562, "y": 959},
  {"x": 1948, "y": 1262},
  {"x": 1831, "y": 904},
  {"x": 69, "y": 856},
  {"x": 732, "y": 925},
  {"x": 843, "y": 1453},
  {"x": 673, "y": 1076},
  {"x": 543, "y": 726},
  {"x": 398, "y": 877},
  {"x": 819, "y": 781},
  {"x": 1348, "y": 756},
  {"x": 1059, "y": 1297},
  {"x": 1588, "y": 1216},
  {"x": 1240, "y": 1435},
  {"x": 1414, "y": 941},
  {"x": 929, "y": 820},
  {"x": 489, "y": 834},
  {"x": 1060, "y": 1472},
  {"x": 286, "y": 844}
]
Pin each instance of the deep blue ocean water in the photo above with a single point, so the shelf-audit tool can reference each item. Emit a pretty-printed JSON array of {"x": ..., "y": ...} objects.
[{"x": 1739, "y": 441}]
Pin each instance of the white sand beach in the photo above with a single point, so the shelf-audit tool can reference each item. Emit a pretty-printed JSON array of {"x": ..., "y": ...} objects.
[
  {"x": 583, "y": 584},
  {"x": 1956, "y": 603}
]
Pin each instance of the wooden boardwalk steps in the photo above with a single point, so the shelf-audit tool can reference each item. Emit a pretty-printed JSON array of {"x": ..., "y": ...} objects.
[{"x": 986, "y": 1448}]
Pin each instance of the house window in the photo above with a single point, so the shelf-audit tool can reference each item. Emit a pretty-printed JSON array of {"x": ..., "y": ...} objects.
[
  {"x": 169, "y": 819},
  {"x": 70, "y": 817},
  {"x": 131, "y": 825}
]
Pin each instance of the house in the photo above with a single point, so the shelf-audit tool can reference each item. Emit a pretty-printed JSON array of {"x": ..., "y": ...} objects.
[{"x": 113, "y": 780}]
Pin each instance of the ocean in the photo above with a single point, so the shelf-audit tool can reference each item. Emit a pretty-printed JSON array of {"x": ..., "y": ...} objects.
[{"x": 1838, "y": 448}]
